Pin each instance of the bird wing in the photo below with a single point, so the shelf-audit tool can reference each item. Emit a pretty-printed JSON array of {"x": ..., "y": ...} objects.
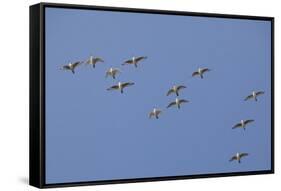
[
  {"x": 233, "y": 158},
  {"x": 181, "y": 87},
  {"x": 243, "y": 155},
  {"x": 248, "y": 97},
  {"x": 98, "y": 59},
  {"x": 151, "y": 114},
  {"x": 65, "y": 67},
  {"x": 127, "y": 84},
  {"x": 107, "y": 73},
  {"x": 116, "y": 70},
  {"x": 140, "y": 58},
  {"x": 75, "y": 64},
  {"x": 205, "y": 70},
  {"x": 158, "y": 112},
  {"x": 128, "y": 62},
  {"x": 170, "y": 91},
  {"x": 183, "y": 101},
  {"x": 171, "y": 104},
  {"x": 249, "y": 121},
  {"x": 237, "y": 125},
  {"x": 260, "y": 93},
  {"x": 195, "y": 74},
  {"x": 115, "y": 87}
]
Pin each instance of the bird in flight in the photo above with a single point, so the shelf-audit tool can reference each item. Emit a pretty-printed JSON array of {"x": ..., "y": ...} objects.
[
  {"x": 112, "y": 72},
  {"x": 155, "y": 113},
  {"x": 254, "y": 95},
  {"x": 134, "y": 60},
  {"x": 94, "y": 60},
  {"x": 120, "y": 86},
  {"x": 177, "y": 102},
  {"x": 238, "y": 157},
  {"x": 200, "y": 72},
  {"x": 71, "y": 66},
  {"x": 243, "y": 123},
  {"x": 175, "y": 89}
]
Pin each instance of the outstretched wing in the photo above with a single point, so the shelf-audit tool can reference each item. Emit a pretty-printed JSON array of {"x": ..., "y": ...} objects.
[
  {"x": 205, "y": 70},
  {"x": 237, "y": 125},
  {"x": 151, "y": 114},
  {"x": 171, "y": 104},
  {"x": 243, "y": 155},
  {"x": 181, "y": 87},
  {"x": 248, "y": 97},
  {"x": 183, "y": 101},
  {"x": 127, "y": 84},
  {"x": 65, "y": 67},
  {"x": 75, "y": 64},
  {"x": 233, "y": 158},
  {"x": 195, "y": 74},
  {"x": 128, "y": 62},
  {"x": 260, "y": 93},
  {"x": 170, "y": 91},
  {"x": 116, "y": 70},
  {"x": 249, "y": 121},
  {"x": 98, "y": 59},
  {"x": 141, "y": 58},
  {"x": 115, "y": 87},
  {"x": 107, "y": 73}
]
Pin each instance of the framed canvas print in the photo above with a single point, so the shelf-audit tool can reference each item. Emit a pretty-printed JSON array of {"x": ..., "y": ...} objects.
[{"x": 122, "y": 95}]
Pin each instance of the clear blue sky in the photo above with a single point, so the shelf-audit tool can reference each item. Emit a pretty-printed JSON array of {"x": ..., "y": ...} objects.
[{"x": 94, "y": 134}]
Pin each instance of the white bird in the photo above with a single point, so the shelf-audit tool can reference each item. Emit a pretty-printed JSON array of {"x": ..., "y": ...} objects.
[
  {"x": 120, "y": 86},
  {"x": 112, "y": 72},
  {"x": 177, "y": 102},
  {"x": 243, "y": 123},
  {"x": 94, "y": 60},
  {"x": 155, "y": 112},
  {"x": 254, "y": 95},
  {"x": 175, "y": 89},
  {"x": 238, "y": 157},
  {"x": 134, "y": 60},
  {"x": 200, "y": 72},
  {"x": 71, "y": 66}
]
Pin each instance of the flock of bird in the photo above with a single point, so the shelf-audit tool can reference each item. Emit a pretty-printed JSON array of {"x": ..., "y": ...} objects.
[
  {"x": 243, "y": 123},
  {"x": 176, "y": 89}
]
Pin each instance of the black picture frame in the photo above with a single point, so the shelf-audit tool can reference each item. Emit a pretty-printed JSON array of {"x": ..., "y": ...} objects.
[{"x": 37, "y": 94}]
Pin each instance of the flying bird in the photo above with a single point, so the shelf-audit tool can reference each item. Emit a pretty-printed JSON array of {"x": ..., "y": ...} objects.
[
  {"x": 243, "y": 123},
  {"x": 254, "y": 95},
  {"x": 112, "y": 72},
  {"x": 175, "y": 89},
  {"x": 134, "y": 60},
  {"x": 177, "y": 102},
  {"x": 238, "y": 157},
  {"x": 155, "y": 113},
  {"x": 71, "y": 66},
  {"x": 94, "y": 60},
  {"x": 120, "y": 86},
  {"x": 200, "y": 72}
]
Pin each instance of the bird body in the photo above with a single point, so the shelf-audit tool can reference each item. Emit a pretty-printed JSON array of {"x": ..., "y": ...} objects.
[
  {"x": 238, "y": 157},
  {"x": 71, "y": 66},
  {"x": 177, "y": 102},
  {"x": 254, "y": 95},
  {"x": 175, "y": 89},
  {"x": 112, "y": 72},
  {"x": 200, "y": 72},
  {"x": 94, "y": 60},
  {"x": 134, "y": 60},
  {"x": 120, "y": 86},
  {"x": 242, "y": 124},
  {"x": 155, "y": 112}
]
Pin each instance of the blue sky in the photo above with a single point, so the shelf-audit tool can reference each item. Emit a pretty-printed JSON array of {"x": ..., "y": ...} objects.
[{"x": 94, "y": 134}]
